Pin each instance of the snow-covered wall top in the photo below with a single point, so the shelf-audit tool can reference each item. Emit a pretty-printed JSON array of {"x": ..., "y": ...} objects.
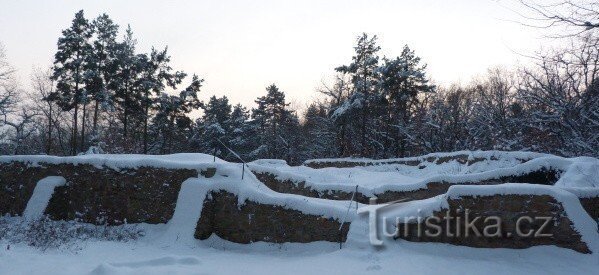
[
  {"x": 174, "y": 161},
  {"x": 389, "y": 175},
  {"x": 471, "y": 156}
]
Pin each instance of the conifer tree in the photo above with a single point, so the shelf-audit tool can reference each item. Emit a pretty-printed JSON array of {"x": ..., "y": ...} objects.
[
  {"x": 156, "y": 75},
  {"x": 70, "y": 71},
  {"x": 101, "y": 65},
  {"x": 401, "y": 80},
  {"x": 363, "y": 75}
]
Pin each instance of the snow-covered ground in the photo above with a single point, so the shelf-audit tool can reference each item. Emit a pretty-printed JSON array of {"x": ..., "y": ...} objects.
[
  {"x": 215, "y": 256},
  {"x": 171, "y": 249}
]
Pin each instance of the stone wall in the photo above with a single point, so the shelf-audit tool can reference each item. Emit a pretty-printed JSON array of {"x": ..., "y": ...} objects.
[
  {"x": 252, "y": 222},
  {"x": 591, "y": 205},
  {"x": 95, "y": 195},
  {"x": 509, "y": 208},
  {"x": 300, "y": 188},
  {"x": 462, "y": 158},
  {"x": 17, "y": 181}
]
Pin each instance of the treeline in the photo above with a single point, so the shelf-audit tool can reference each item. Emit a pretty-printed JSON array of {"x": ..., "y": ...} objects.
[{"x": 101, "y": 95}]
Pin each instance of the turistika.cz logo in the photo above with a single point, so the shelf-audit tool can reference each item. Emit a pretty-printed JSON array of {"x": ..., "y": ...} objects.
[{"x": 458, "y": 224}]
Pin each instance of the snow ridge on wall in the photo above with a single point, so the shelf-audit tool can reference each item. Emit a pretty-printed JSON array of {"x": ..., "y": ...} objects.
[
  {"x": 41, "y": 197},
  {"x": 581, "y": 172}
]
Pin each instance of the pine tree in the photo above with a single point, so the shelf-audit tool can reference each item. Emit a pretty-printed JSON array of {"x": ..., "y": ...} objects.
[
  {"x": 401, "y": 80},
  {"x": 156, "y": 75},
  {"x": 70, "y": 71},
  {"x": 275, "y": 125},
  {"x": 101, "y": 66},
  {"x": 127, "y": 68},
  {"x": 318, "y": 130},
  {"x": 362, "y": 71},
  {"x": 214, "y": 125},
  {"x": 171, "y": 124},
  {"x": 240, "y": 131}
]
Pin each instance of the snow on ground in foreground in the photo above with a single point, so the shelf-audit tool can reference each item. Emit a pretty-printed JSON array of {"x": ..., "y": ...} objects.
[{"x": 402, "y": 257}]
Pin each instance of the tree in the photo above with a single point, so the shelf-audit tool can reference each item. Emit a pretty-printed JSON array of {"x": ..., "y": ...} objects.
[
  {"x": 402, "y": 80},
  {"x": 126, "y": 68},
  {"x": 241, "y": 132},
  {"x": 101, "y": 64},
  {"x": 574, "y": 17},
  {"x": 171, "y": 120},
  {"x": 274, "y": 123},
  {"x": 22, "y": 129},
  {"x": 214, "y": 125},
  {"x": 561, "y": 95},
  {"x": 318, "y": 130},
  {"x": 156, "y": 75},
  {"x": 6, "y": 69},
  {"x": 362, "y": 71},
  {"x": 8, "y": 90},
  {"x": 337, "y": 94},
  {"x": 42, "y": 88},
  {"x": 70, "y": 67}
]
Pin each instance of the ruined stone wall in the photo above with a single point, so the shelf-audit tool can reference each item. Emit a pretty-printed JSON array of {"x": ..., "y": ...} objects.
[
  {"x": 253, "y": 222},
  {"x": 462, "y": 158},
  {"x": 300, "y": 188},
  {"x": 17, "y": 181},
  {"x": 591, "y": 205},
  {"x": 509, "y": 208},
  {"x": 95, "y": 195}
]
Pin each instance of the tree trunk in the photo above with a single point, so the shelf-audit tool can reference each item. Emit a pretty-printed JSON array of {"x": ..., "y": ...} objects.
[
  {"x": 147, "y": 109},
  {"x": 126, "y": 112},
  {"x": 83, "y": 126},
  {"x": 75, "y": 131},
  {"x": 49, "y": 143},
  {"x": 341, "y": 138},
  {"x": 95, "y": 123},
  {"x": 363, "y": 133}
]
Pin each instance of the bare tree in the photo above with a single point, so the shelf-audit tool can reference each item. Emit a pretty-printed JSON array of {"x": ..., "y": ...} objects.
[
  {"x": 42, "y": 86},
  {"x": 336, "y": 94},
  {"x": 575, "y": 17},
  {"x": 23, "y": 129},
  {"x": 562, "y": 95},
  {"x": 6, "y": 70},
  {"x": 8, "y": 88}
]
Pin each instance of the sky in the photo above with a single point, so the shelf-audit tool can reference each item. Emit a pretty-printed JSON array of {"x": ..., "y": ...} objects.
[{"x": 240, "y": 47}]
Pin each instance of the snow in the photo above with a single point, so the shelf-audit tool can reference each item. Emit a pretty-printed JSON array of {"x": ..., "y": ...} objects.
[
  {"x": 582, "y": 172},
  {"x": 116, "y": 161},
  {"x": 187, "y": 212},
  {"x": 171, "y": 249},
  {"x": 146, "y": 257},
  {"x": 521, "y": 155},
  {"x": 41, "y": 196},
  {"x": 144, "y": 266}
]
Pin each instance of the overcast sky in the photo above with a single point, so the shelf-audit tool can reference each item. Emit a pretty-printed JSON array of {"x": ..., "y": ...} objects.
[{"x": 239, "y": 47}]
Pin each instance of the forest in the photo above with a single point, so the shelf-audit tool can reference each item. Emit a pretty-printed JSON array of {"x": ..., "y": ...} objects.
[{"x": 101, "y": 95}]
